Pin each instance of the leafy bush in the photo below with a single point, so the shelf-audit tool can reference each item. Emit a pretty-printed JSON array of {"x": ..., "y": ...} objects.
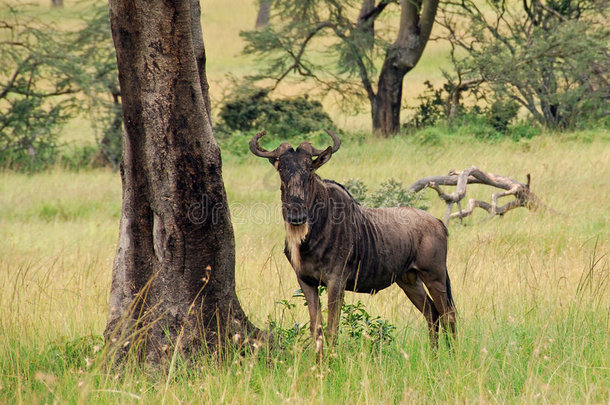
[
  {"x": 252, "y": 110},
  {"x": 430, "y": 110},
  {"x": 523, "y": 130},
  {"x": 355, "y": 323},
  {"x": 501, "y": 112},
  {"x": 357, "y": 189},
  {"x": 390, "y": 193},
  {"x": 429, "y": 136}
]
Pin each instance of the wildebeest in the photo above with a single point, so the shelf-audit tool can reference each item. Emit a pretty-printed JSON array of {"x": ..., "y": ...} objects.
[{"x": 333, "y": 241}]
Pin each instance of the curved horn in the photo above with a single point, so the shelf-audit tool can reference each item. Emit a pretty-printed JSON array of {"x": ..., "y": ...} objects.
[
  {"x": 336, "y": 140},
  {"x": 336, "y": 144},
  {"x": 257, "y": 150}
]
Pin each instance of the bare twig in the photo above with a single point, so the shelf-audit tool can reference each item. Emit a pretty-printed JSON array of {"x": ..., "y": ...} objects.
[{"x": 473, "y": 175}]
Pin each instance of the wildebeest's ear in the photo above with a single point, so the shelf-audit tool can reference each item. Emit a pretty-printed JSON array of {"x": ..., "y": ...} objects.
[
  {"x": 323, "y": 158},
  {"x": 274, "y": 161}
]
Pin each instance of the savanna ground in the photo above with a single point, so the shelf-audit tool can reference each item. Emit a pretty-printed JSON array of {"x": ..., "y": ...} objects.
[{"x": 531, "y": 288}]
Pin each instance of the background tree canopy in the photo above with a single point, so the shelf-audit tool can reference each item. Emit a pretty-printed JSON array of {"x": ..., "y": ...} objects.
[
  {"x": 551, "y": 57},
  {"x": 548, "y": 59}
]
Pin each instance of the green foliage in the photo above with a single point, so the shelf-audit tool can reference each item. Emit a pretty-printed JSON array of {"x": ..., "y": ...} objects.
[
  {"x": 249, "y": 111},
  {"x": 357, "y": 189},
  {"x": 36, "y": 93},
  {"x": 430, "y": 110},
  {"x": 355, "y": 324},
  {"x": 523, "y": 130},
  {"x": 98, "y": 80},
  {"x": 252, "y": 111},
  {"x": 430, "y": 120},
  {"x": 429, "y": 135},
  {"x": 390, "y": 193},
  {"x": 551, "y": 58},
  {"x": 341, "y": 65},
  {"x": 76, "y": 353},
  {"x": 501, "y": 112},
  {"x": 42, "y": 70}
]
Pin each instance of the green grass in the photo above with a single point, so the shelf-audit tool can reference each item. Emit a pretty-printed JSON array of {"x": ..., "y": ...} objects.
[{"x": 531, "y": 288}]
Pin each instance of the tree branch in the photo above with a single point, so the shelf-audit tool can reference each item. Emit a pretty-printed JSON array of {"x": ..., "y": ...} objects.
[
  {"x": 297, "y": 65},
  {"x": 523, "y": 196}
]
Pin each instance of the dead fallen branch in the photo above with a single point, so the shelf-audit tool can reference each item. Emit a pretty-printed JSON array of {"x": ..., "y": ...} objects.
[{"x": 521, "y": 191}]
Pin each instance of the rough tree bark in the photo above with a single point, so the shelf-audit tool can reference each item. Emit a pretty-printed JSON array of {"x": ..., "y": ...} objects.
[
  {"x": 521, "y": 191},
  {"x": 366, "y": 25},
  {"x": 173, "y": 281},
  {"x": 416, "y": 21},
  {"x": 264, "y": 12}
]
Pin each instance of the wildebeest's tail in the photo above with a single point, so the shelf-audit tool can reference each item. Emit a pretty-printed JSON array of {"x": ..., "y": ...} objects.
[{"x": 449, "y": 296}]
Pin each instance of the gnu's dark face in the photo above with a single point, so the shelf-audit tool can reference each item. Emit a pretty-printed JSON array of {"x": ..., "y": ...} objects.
[{"x": 296, "y": 169}]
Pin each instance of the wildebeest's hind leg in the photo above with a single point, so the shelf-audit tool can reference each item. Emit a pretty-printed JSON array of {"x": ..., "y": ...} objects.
[
  {"x": 413, "y": 287},
  {"x": 437, "y": 283},
  {"x": 315, "y": 316}
]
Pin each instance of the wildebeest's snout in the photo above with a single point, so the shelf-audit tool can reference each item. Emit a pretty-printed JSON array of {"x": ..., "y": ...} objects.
[{"x": 295, "y": 212}]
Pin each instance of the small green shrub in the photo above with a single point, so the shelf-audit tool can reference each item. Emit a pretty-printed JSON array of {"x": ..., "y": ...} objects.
[
  {"x": 501, "y": 112},
  {"x": 253, "y": 110},
  {"x": 523, "y": 130},
  {"x": 357, "y": 189},
  {"x": 356, "y": 323},
  {"x": 390, "y": 193},
  {"x": 430, "y": 110},
  {"x": 429, "y": 136},
  {"x": 74, "y": 354}
]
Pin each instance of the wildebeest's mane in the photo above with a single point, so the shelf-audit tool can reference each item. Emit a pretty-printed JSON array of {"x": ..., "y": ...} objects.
[{"x": 342, "y": 187}]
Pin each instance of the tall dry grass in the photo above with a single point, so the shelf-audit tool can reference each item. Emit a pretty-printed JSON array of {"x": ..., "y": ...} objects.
[{"x": 531, "y": 288}]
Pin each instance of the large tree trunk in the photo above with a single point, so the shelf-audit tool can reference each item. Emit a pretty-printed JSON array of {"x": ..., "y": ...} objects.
[
  {"x": 173, "y": 282},
  {"x": 416, "y": 21},
  {"x": 366, "y": 25},
  {"x": 264, "y": 12},
  {"x": 386, "y": 106}
]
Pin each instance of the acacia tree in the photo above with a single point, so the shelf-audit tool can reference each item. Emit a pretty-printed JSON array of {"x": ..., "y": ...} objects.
[
  {"x": 37, "y": 95},
  {"x": 549, "y": 56},
  {"x": 351, "y": 47},
  {"x": 173, "y": 282}
]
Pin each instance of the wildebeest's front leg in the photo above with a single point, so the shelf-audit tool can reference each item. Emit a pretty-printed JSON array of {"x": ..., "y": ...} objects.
[
  {"x": 315, "y": 316},
  {"x": 336, "y": 292}
]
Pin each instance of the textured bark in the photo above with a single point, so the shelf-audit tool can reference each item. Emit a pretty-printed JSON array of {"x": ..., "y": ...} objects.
[
  {"x": 173, "y": 283},
  {"x": 264, "y": 11},
  {"x": 416, "y": 21},
  {"x": 366, "y": 25}
]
